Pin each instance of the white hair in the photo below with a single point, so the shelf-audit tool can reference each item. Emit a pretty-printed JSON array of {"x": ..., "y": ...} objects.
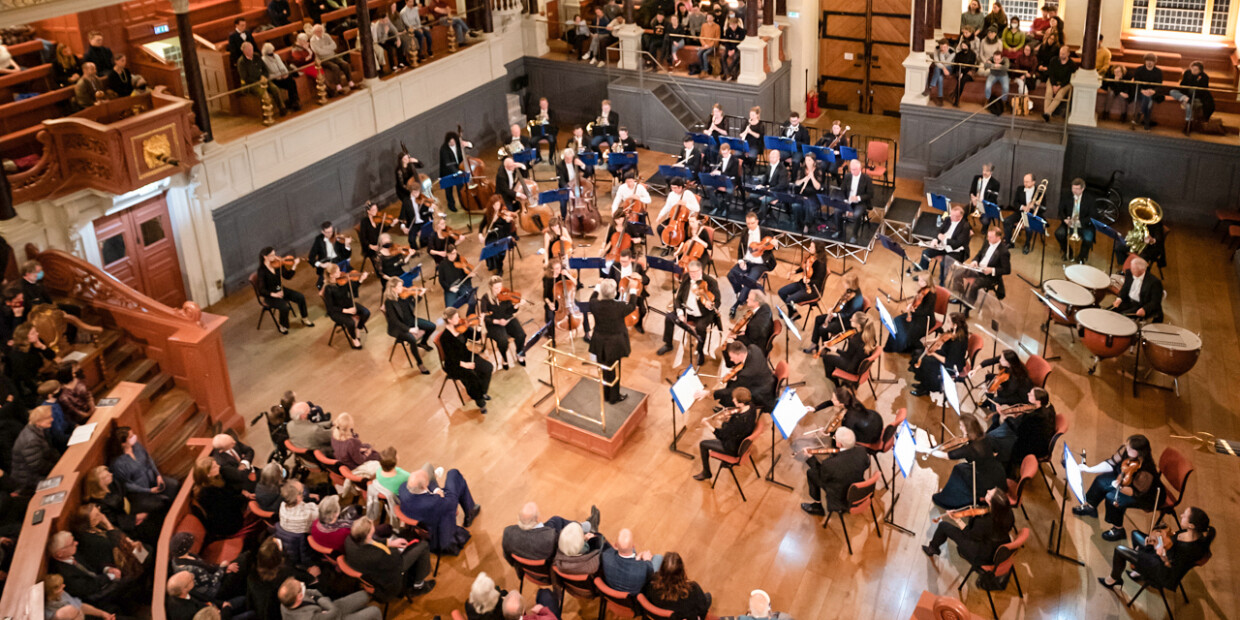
[
  {"x": 572, "y": 539},
  {"x": 483, "y": 595},
  {"x": 845, "y": 438},
  {"x": 607, "y": 289}
]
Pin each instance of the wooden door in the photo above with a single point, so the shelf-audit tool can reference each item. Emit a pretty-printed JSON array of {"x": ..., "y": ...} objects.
[
  {"x": 136, "y": 246},
  {"x": 861, "y": 55}
]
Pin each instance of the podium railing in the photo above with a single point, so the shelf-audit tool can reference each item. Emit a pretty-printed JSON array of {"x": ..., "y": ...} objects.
[{"x": 553, "y": 361}]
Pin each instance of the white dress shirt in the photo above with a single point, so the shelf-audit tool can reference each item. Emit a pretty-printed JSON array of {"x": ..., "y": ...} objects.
[
  {"x": 691, "y": 302},
  {"x": 990, "y": 254},
  {"x": 1134, "y": 292},
  {"x": 753, "y": 237},
  {"x": 690, "y": 201},
  {"x": 623, "y": 193},
  {"x": 852, "y": 190},
  {"x": 951, "y": 228}
]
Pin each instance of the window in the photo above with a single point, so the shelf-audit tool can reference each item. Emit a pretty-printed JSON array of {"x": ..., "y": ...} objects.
[
  {"x": 1182, "y": 17},
  {"x": 112, "y": 249},
  {"x": 1025, "y": 10}
]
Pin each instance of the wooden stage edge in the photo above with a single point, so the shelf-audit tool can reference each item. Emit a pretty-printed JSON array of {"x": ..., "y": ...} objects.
[{"x": 622, "y": 419}]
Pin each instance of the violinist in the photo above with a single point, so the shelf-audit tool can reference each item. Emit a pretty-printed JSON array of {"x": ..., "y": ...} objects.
[
  {"x": 754, "y": 375},
  {"x": 912, "y": 325},
  {"x": 952, "y": 241},
  {"x": 759, "y": 326},
  {"x": 460, "y": 363},
  {"x": 973, "y": 449},
  {"x": 1009, "y": 384},
  {"x": 833, "y": 475},
  {"x": 628, "y": 267},
  {"x": 499, "y": 313},
  {"x": 729, "y": 165},
  {"x": 690, "y": 156},
  {"x": 557, "y": 241},
  {"x": 440, "y": 239},
  {"x": 340, "y": 298},
  {"x": 393, "y": 262},
  {"x": 693, "y": 309},
  {"x": 1032, "y": 424},
  {"x": 828, "y": 324},
  {"x": 451, "y": 156},
  {"x": 754, "y": 257},
  {"x": 1129, "y": 479},
  {"x": 403, "y": 322},
  {"x": 808, "y": 287},
  {"x": 271, "y": 273},
  {"x": 406, "y": 179},
  {"x": 731, "y": 427},
  {"x": 866, "y": 424},
  {"x": 949, "y": 349},
  {"x": 328, "y": 248},
  {"x": 628, "y": 190},
  {"x": 454, "y": 276},
  {"x": 986, "y": 531},
  {"x": 775, "y": 180},
  {"x": 498, "y": 224},
  {"x": 677, "y": 196},
  {"x": 848, "y": 355},
  {"x": 368, "y": 235},
  {"x": 508, "y": 183},
  {"x": 1160, "y": 563},
  {"x": 811, "y": 183},
  {"x": 609, "y": 343}
]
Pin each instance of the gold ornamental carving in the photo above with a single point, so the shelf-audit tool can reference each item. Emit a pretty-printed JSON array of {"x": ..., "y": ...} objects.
[{"x": 156, "y": 151}]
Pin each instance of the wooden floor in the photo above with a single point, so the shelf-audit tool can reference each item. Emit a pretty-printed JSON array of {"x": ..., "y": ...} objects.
[{"x": 731, "y": 546}]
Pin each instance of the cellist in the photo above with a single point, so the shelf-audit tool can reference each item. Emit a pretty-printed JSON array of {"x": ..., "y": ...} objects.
[
  {"x": 677, "y": 198},
  {"x": 693, "y": 308},
  {"x": 629, "y": 190},
  {"x": 555, "y": 273},
  {"x": 697, "y": 244}
]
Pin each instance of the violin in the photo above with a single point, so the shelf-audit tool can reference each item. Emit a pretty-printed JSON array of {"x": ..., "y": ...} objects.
[
  {"x": 807, "y": 273},
  {"x": 921, "y": 296},
  {"x": 290, "y": 261},
  {"x": 836, "y": 422},
  {"x": 508, "y": 295},
  {"x": 693, "y": 251},
  {"x": 947, "y": 446},
  {"x": 466, "y": 323},
  {"x": 462, "y": 264},
  {"x": 725, "y": 413},
  {"x": 813, "y": 451},
  {"x": 1017, "y": 409},
  {"x": 402, "y": 250},
  {"x": 732, "y": 374},
  {"x": 962, "y": 513},
  {"x": 702, "y": 289},
  {"x": 934, "y": 347},
  {"x": 383, "y": 220},
  {"x": 1128, "y": 471},
  {"x": 342, "y": 238},
  {"x": 352, "y": 276},
  {"x": 767, "y": 244},
  {"x": 740, "y": 325},
  {"x": 1161, "y": 536},
  {"x": 840, "y": 337},
  {"x": 844, "y": 299},
  {"x": 998, "y": 381},
  {"x": 412, "y": 293}
]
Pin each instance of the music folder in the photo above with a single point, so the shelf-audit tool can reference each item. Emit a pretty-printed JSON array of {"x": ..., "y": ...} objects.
[
  {"x": 1036, "y": 225},
  {"x": 553, "y": 195},
  {"x": 616, "y": 160},
  {"x": 885, "y": 316},
  {"x": 524, "y": 157},
  {"x": 991, "y": 210},
  {"x": 495, "y": 249},
  {"x": 1072, "y": 470},
  {"x": 663, "y": 264},
  {"x": 701, "y": 138},
  {"x": 776, "y": 143},
  {"x": 588, "y": 158},
  {"x": 738, "y": 145},
  {"x": 685, "y": 387},
  {"x": 587, "y": 263},
  {"x": 949, "y": 389},
  {"x": 819, "y": 152},
  {"x": 937, "y": 202},
  {"x": 536, "y": 336},
  {"x": 707, "y": 179},
  {"x": 847, "y": 153},
  {"x": 455, "y": 179},
  {"x": 892, "y": 246},
  {"x": 788, "y": 323},
  {"x": 788, "y": 412},
  {"x": 675, "y": 171},
  {"x": 408, "y": 277}
]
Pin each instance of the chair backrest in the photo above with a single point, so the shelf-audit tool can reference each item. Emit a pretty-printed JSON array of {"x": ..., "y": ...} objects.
[
  {"x": 534, "y": 566},
  {"x": 1039, "y": 370},
  {"x": 610, "y": 593},
  {"x": 257, "y": 511},
  {"x": 860, "y": 493},
  {"x": 876, "y": 153},
  {"x": 1028, "y": 469},
  {"x": 776, "y": 330},
  {"x": 438, "y": 346},
  {"x": 295, "y": 449},
  {"x": 1003, "y": 555},
  {"x": 865, "y": 304},
  {"x": 976, "y": 342},
  {"x": 325, "y": 460},
  {"x": 1176, "y": 468},
  {"x": 579, "y": 580},
  {"x": 889, "y": 431},
  {"x": 941, "y": 297},
  {"x": 863, "y": 371},
  {"x": 1128, "y": 263},
  {"x": 457, "y": 615},
  {"x": 1061, "y": 427},
  {"x": 348, "y": 571},
  {"x": 781, "y": 373},
  {"x": 319, "y": 547},
  {"x": 653, "y": 609},
  {"x": 254, "y": 285},
  {"x": 758, "y": 430}
]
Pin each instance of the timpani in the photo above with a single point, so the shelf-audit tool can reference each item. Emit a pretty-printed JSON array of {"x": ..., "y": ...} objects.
[
  {"x": 1170, "y": 349},
  {"x": 1105, "y": 333},
  {"x": 1068, "y": 297},
  {"x": 1089, "y": 277}
]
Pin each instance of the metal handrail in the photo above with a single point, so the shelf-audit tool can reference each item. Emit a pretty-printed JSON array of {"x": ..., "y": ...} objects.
[{"x": 678, "y": 91}]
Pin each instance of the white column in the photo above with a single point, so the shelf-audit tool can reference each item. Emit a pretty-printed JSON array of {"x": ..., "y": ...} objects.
[
  {"x": 1085, "y": 85},
  {"x": 751, "y": 51},
  {"x": 803, "y": 46},
  {"x": 630, "y": 36},
  {"x": 197, "y": 245},
  {"x": 534, "y": 35},
  {"x": 772, "y": 34},
  {"x": 916, "y": 75}
]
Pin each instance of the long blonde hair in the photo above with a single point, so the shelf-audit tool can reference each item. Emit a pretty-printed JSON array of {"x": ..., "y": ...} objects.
[{"x": 342, "y": 427}]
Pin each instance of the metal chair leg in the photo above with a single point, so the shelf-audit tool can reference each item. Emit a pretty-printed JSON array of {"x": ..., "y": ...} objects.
[
  {"x": 1137, "y": 595},
  {"x": 992, "y": 605},
  {"x": 1016, "y": 578},
  {"x": 716, "y": 478},
  {"x": 874, "y": 517},
  {"x": 965, "y": 581},
  {"x": 1167, "y": 605},
  {"x": 847, "y": 540},
  {"x": 738, "y": 484},
  {"x": 755, "y": 466}
]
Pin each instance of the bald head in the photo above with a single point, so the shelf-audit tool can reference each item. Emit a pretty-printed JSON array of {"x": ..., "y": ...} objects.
[
  {"x": 223, "y": 442},
  {"x": 624, "y": 541},
  {"x": 180, "y": 584},
  {"x": 854, "y": 166},
  {"x": 299, "y": 410},
  {"x": 514, "y": 607},
  {"x": 1139, "y": 266},
  {"x": 759, "y": 604},
  {"x": 528, "y": 517},
  {"x": 419, "y": 481}
]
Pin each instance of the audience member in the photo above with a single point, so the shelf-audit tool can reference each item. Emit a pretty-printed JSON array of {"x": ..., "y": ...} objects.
[
  {"x": 1102, "y": 59},
  {"x": 75, "y": 396},
  {"x": 25, "y": 360},
  {"x": 296, "y": 517},
  {"x": 626, "y": 570},
  {"x": 546, "y": 608},
  {"x": 122, "y": 82},
  {"x": 303, "y": 58},
  {"x": 55, "y": 597},
  {"x": 96, "y": 53},
  {"x": 332, "y": 527},
  {"x": 62, "y": 425},
  {"x": 33, "y": 455},
  {"x": 240, "y": 35},
  {"x": 996, "y": 19},
  {"x": 1147, "y": 79},
  {"x": 221, "y": 508},
  {"x": 760, "y": 609},
  {"x": 103, "y": 586},
  {"x": 267, "y": 491},
  {"x": 278, "y": 14},
  {"x": 1059, "y": 81},
  {"x": 297, "y": 602},
  {"x": 324, "y": 47},
  {"x": 412, "y": 18},
  {"x": 89, "y": 87},
  {"x": 435, "y": 508},
  {"x": 395, "y": 567},
  {"x": 222, "y": 584},
  {"x": 1118, "y": 88},
  {"x": 579, "y": 553},
  {"x": 484, "y": 597},
  {"x": 534, "y": 539},
  {"x": 670, "y": 589},
  {"x": 251, "y": 70},
  {"x": 346, "y": 447},
  {"x": 278, "y": 73},
  {"x": 178, "y": 604},
  {"x": 133, "y": 466},
  {"x": 389, "y": 476},
  {"x": 100, "y": 543},
  {"x": 66, "y": 68},
  {"x": 100, "y": 487},
  {"x": 1195, "y": 94},
  {"x": 973, "y": 18},
  {"x": 269, "y": 570},
  {"x": 7, "y": 64},
  {"x": 236, "y": 462},
  {"x": 387, "y": 44},
  {"x": 306, "y": 434}
]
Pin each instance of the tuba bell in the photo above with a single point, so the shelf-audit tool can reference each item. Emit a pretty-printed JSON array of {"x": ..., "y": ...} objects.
[{"x": 1145, "y": 213}]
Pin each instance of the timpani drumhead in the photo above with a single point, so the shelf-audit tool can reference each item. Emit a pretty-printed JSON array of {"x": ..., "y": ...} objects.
[
  {"x": 1171, "y": 337},
  {"x": 1106, "y": 322},
  {"x": 1069, "y": 293},
  {"x": 1087, "y": 276}
]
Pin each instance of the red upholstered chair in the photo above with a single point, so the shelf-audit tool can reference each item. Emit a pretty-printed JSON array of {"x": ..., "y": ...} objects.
[
  {"x": 860, "y": 497},
  {"x": 777, "y": 329},
  {"x": 349, "y": 571},
  {"x": 813, "y": 303},
  {"x": 265, "y": 515},
  {"x": 708, "y": 259},
  {"x": 781, "y": 376},
  {"x": 457, "y": 615},
  {"x": 456, "y": 384},
  {"x": 327, "y": 552},
  {"x": 1001, "y": 566},
  {"x": 1016, "y": 488},
  {"x": 886, "y": 443},
  {"x": 622, "y": 602},
  {"x": 1231, "y": 216},
  {"x": 220, "y": 551},
  {"x": 877, "y": 156},
  {"x": 580, "y": 587},
  {"x": 1061, "y": 427},
  {"x": 538, "y": 572},
  {"x": 1162, "y": 588},
  {"x": 1039, "y": 370},
  {"x": 331, "y": 466},
  {"x": 729, "y": 462},
  {"x": 1175, "y": 469},
  {"x": 651, "y": 610},
  {"x": 976, "y": 342},
  {"x": 941, "y": 297},
  {"x": 413, "y": 524},
  {"x": 303, "y": 460},
  {"x": 863, "y": 374}
]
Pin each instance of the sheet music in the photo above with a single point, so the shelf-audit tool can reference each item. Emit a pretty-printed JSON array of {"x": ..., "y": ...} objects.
[
  {"x": 82, "y": 433},
  {"x": 885, "y": 316},
  {"x": 788, "y": 412},
  {"x": 1073, "y": 472},
  {"x": 949, "y": 389},
  {"x": 905, "y": 448},
  {"x": 685, "y": 387},
  {"x": 789, "y": 324}
]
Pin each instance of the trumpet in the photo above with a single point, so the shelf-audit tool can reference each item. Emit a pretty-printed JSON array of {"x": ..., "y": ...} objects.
[{"x": 1039, "y": 193}]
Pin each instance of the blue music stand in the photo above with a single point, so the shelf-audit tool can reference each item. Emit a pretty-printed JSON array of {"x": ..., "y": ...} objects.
[
  {"x": 670, "y": 172},
  {"x": 938, "y": 202},
  {"x": 1037, "y": 226},
  {"x": 620, "y": 160},
  {"x": 470, "y": 296},
  {"x": 589, "y": 158},
  {"x": 345, "y": 266},
  {"x": 819, "y": 153},
  {"x": 553, "y": 195},
  {"x": 703, "y": 139},
  {"x": 847, "y": 153},
  {"x": 991, "y": 210},
  {"x": 705, "y": 179},
  {"x": 898, "y": 250},
  {"x": 456, "y": 179},
  {"x": 408, "y": 277},
  {"x": 737, "y": 145},
  {"x": 776, "y": 143},
  {"x": 1116, "y": 238},
  {"x": 525, "y": 157},
  {"x": 587, "y": 263},
  {"x": 663, "y": 264}
]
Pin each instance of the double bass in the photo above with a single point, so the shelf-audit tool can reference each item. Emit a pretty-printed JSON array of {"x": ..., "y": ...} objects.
[
  {"x": 533, "y": 217},
  {"x": 476, "y": 194},
  {"x": 583, "y": 215}
]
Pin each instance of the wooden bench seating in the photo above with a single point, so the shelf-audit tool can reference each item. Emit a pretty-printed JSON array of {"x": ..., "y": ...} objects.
[
  {"x": 20, "y": 115},
  {"x": 37, "y": 79},
  {"x": 218, "y": 30}
]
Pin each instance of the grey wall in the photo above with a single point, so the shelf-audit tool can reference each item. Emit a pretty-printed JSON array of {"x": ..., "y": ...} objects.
[
  {"x": 286, "y": 214},
  {"x": 1189, "y": 178},
  {"x": 1017, "y": 152}
]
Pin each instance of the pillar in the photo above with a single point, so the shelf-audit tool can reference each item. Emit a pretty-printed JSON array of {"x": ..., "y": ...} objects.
[
  {"x": 751, "y": 18},
  {"x": 772, "y": 34},
  {"x": 768, "y": 12},
  {"x": 1085, "y": 82},
  {"x": 1089, "y": 46},
  {"x": 629, "y": 17},
  {"x": 630, "y": 36},
  {"x": 751, "y": 50},
  {"x": 366, "y": 40},
  {"x": 917, "y": 64},
  {"x": 919, "y": 25},
  {"x": 488, "y": 19},
  {"x": 193, "y": 74}
]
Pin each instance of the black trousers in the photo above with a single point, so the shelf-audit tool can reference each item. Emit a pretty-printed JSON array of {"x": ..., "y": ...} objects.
[
  {"x": 427, "y": 328},
  {"x": 825, "y": 327},
  {"x": 283, "y": 304},
  {"x": 345, "y": 321},
  {"x": 1114, "y": 504},
  {"x": 289, "y": 86},
  {"x": 612, "y": 392},
  {"x": 502, "y": 334},
  {"x": 1087, "y": 240},
  {"x": 793, "y": 294},
  {"x": 706, "y": 445},
  {"x": 969, "y": 548},
  {"x": 701, "y": 325},
  {"x": 831, "y": 361},
  {"x": 476, "y": 381}
]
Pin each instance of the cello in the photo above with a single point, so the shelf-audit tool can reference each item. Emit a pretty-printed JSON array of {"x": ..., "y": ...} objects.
[
  {"x": 477, "y": 193},
  {"x": 533, "y": 217},
  {"x": 583, "y": 215},
  {"x": 674, "y": 233}
]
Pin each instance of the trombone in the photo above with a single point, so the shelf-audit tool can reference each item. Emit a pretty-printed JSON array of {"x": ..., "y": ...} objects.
[{"x": 1035, "y": 204}]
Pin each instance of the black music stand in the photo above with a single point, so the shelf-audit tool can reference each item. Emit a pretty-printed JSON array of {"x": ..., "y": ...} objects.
[
  {"x": 790, "y": 327},
  {"x": 615, "y": 161},
  {"x": 1063, "y": 509},
  {"x": 1046, "y": 327},
  {"x": 529, "y": 344},
  {"x": 1035, "y": 225},
  {"x": 889, "y": 518},
  {"x": 496, "y": 248},
  {"x": 898, "y": 250},
  {"x": 678, "y": 431},
  {"x": 785, "y": 146},
  {"x": 454, "y": 180},
  {"x": 1116, "y": 238},
  {"x": 586, "y": 263},
  {"x": 716, "y": 182},
  {"x": 559, "y": 196},
  {"x": 770, "y": 473}
]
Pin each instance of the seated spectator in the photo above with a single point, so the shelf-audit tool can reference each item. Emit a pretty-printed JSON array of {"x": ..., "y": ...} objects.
[
  {"x": 303, "y": 60},
  {"x": 236, "y": 462},
  {"x": 996, "y": 19},
  {"x": 394, "y": 567},
  {"x": 390, "y": 477},
  {"x": 445, "y": 11},
  {"x": 62, "y": 425},
  {"x": 278, "y": 13},
  {"x": 760, "y": 609},
  {"x": 25, "y": 360},
  {"x": 412, "y": 19},
  {"x": 100, "y": 487},
  {"x": 289, "y": 400},
  {"x": 99, "y": 542},
  {"x": 1119, "y": 89},
  {"x": 306, "y": 434},
  {"x": 279, "y": 74},
  {"x": 101, "y": 585},
  {"x": 1047, "y": 23},
  {"x": 387, "y": 44},
  {"x": 75, "y": 397},
  {"x": 1059, "y": 81},
  {"x": 670, "y": 589},
  {"x": 33, "y": 455},
  {"x": 547, "y": 607},
  {"x": 989, "y": 45},
  {"x": 1013, "y": 39},
  {"x": 66, "y": 68},
  {"x": 145, "y": 487},
  {"x": 90, "y": 88},
  {"x": 626, "y": 570},
  {"x": 940, "y": 67},
  {"x": 270, "y": 569},
  {"x": 346, "y": 447},
  {"x": 577, "y": 552},
  {"x": 223, "y": 585},
  {"x": 435, "y": 508},
  {"x": 251, "y": 70},
  {"x": 122, "y": 82},
  {"x": 178, "y": 604},
  {"x": 484, "y": 596},
  {"x": 7, "y": 64},
  {"x": 296, "y": 517},
  {"x": 297, "y": 602},
  {"x": 97, "y": 53},
  {"x": 534, "y": 539},
  {"x": 1148, "y": 78},
  {"x": 55, "y": 597},
  {"x": 332, "y": 527},
  {"x": 221, "y": 508},
  {"x": 1195, "y": 95},
  {"x": 1102, "y": 59},
  {"x": 267, "y": 491},
  {"x": 324, "y": 47}
]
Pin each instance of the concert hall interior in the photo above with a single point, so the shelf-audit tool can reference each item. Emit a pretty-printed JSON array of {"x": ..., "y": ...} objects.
[{"x": 294, "y": 288}]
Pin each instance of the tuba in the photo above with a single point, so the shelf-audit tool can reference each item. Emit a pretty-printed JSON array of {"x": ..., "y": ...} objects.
[
  {"x": 512, "y": 148},
  {"x": 1145, "y": 213},
  {"x": 1039, "y": 193}
]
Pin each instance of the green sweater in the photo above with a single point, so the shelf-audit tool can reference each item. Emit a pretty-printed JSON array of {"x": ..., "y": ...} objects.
[{"x": 394, "y": 482}]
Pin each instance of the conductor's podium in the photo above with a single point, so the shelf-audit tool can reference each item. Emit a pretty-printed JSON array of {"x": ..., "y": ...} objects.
[{"x": 574, "y": 418}]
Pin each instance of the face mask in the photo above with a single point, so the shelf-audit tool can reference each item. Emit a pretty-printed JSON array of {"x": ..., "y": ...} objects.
[{"x": 38, "y": 276}]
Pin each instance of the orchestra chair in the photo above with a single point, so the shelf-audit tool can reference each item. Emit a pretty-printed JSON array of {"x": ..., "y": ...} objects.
[
  {"x": 1001, "y": 566},
  {"x": 729, "y": 462},
  {"x": 303, "y": 461},
  {"x": 941, "y": 298},
  {"x": 877, "y": 155},
  {"x": 863, "y": 375},
  {"x": 1162, "y": 588},
  {"x": 1233, "y": 236},
  {"x": 405, "y": 347},
  {"x": 578, "y": 586},
  {"x": 781, "y": 377},
  {"x": 777, "y": 330},
  {"x": 886, "y": 443},
  {"x": 538, "y": 572},
  {"x": 812, "y": 304},
  {"x": 709, "y": 257},
  {"x": 1176, "y": 469},
  {"x": 327, "y": 553},
  {"x": 860, "y": 497},
  {"x": 446, "y": 377},
  {"x": 265, "y": 309},
  {"x": 976, "y": 342},
  {"x": 936, "y": 607},
  {"x": 415, "y": 525},
  {"x": 349, "y": 571},
  {"x": 623, "y": 601},
  {"x": 651, "y": 610},
  {"x": 1061, "y": 427},
  {"x": 1039, "y": 370},
  {"x": 359, "y": 482},
  {"x": 265, "y": 515},
  {"x": 337, "y": 328},
  {"x": 1230, "y": 216},
  {"x": 1016, "y": 488},
  {"x": 332, "y": 467}
]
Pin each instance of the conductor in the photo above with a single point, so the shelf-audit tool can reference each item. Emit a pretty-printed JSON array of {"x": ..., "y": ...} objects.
[{"x": 610, "y": 342}]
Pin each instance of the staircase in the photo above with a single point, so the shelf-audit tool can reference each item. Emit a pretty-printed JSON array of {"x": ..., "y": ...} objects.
[
  {"x": 1028, "y": 147},
  {"x": 666, "y": 110},
  {"x": 675, "y": 105}
]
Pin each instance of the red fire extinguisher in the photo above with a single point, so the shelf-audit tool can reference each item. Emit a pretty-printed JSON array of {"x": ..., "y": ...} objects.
[{"x": 811, "y": 105}]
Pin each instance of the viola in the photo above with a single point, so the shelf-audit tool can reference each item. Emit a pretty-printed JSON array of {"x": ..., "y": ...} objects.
[
  {"x": 449, "y": 233},
  {"x": 704, "y": 295},
  {"x": 844, "y": 299},
  {"x": 508, "y": 295},
  {"x": 352, "y": 276},
  {"x": 412, "y": 292},
  {"x": 732, "y": 374},
  {"x": 998, "y": 381},
  {"x": 1128, "y": 471},
  {"x": 739, "y": 326},
  {"x": 1161, "y": 537},
  {"x": 383, "y": 220},
  {"x": 341, "y": 238},
  {"x": 466, "y": 323},
  {"x": 290, "y": 261},
  {"x": 840, "y": 337},
  {"x": 934, "y": 347},
  {"x": 620, "y": 241},
  {"x": 964, "y": 513},
  {"x": 693, "y": 251},
  {"x": 921, "y": 296},
  {"x": 767, "y": 244}
]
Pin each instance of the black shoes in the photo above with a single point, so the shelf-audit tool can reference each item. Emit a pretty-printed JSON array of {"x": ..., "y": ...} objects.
[
  {"x": 814, "y": 508},
  {"x": 1085, "y": 510},
  {"x": 929, "y": 551},
  {"x": 1110, "y": 586},
  {"x": 619, "y": 399},
  {"x": 424, "y": 588},
  {"x": 701, "y": 475},
  {"x": 1114, "y": 534},
  {"x": 473, "y": 514},
  {"x": 663, "y": 350}
]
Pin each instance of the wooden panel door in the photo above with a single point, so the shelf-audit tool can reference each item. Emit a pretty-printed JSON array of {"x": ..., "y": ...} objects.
[
  {"x": 137, "y": 247},
  {"x": 863, "y": 45}
]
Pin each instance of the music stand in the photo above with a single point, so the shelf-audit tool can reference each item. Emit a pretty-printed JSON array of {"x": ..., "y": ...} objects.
[
  {"x": 586, "y": 263},
  {"x": 950, "y": 395},
  {"x": 736, "y": 144},
  {"x": 457, "y": 179},
  {"x": 992, "y": 212},
  {"x": 524, "y": 157},
  {"x": 938, "y": 202},
  {"x": 620, "y": 160},
  {"x": 1072, "y": 473},
  {"x": 496, "y": 248},
  {"x": 589, "y": 158},
  {"x": 529, "y": 344},
  {"x": 682, "y": 391},
  {"x": 663, "y": 264},
  {"x": 673, "y": 172},
  {"x": 820, "y": 153},
  {"x": 1115, "y": 239},
  {"x": 847, "y": 153},
  {"x": 783, "y": 145},
  {"x": 1035, "y": 225},
  {"x": 785, "y": 415},
  {"x": 903, "y": 453},
  {"x": 898, "y": 250},
  {"x": 1046, "y": 327},
  {"x": 790, "y": 327}
]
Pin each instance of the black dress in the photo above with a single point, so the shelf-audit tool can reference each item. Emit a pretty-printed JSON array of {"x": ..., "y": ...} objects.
[
  {"x": 337, "y": 298},
  {"x": 610, "y": 341},
  {"x": 912, "y": 327},
  {"x": 502, "y": 334},
  {"x": 958, "y": 491}
]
